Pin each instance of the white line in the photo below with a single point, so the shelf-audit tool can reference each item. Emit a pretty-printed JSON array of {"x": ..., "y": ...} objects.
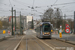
[
  {"x": 18, "y": 44},
  {"x": 46, "y": 44}
]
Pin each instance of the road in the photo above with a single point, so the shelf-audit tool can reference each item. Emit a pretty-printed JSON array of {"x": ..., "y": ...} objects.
[{"x": 31, "y": 42}]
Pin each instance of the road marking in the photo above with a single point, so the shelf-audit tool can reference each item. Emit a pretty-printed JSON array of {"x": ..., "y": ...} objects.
[
  {"x": 18, "y": 44},
  {"x": 46, "y": 44}
]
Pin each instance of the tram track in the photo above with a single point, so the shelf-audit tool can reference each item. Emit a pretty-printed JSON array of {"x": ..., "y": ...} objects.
[
  {"x": 31, "y": 42},
  {"x": 38, "y": 43},
  {"x": 34, "y": 40},
  {"x": 26, "y": 44}
]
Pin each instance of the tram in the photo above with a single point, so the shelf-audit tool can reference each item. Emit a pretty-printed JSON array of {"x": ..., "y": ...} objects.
[{"x": 43, "y": 30}]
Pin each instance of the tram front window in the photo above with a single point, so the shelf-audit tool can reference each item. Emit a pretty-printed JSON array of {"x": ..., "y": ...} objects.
[{"x": 46, "y": 28}]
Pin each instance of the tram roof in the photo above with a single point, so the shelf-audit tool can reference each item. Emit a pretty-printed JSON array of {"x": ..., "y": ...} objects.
[{"x": 44, "y": 22}]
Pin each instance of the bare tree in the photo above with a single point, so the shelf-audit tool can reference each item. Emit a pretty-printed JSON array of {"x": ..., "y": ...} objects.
[
  {"x": 58, "y": 17},
  {"x": 55, "y": 17},
  {"x": 5, "y": 24},
  {"x": 58, "y": 14},
  {"x": 48, "y": 14}
]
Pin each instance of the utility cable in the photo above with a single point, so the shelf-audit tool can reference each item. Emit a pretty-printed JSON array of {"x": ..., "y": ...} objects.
[
  {"x": 63, "y": 4},
  {"x": 10, "y": 3},
  {"x": 55, "y": 2}
]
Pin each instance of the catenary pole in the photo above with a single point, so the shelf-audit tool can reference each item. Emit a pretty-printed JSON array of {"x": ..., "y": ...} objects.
[
  {"x": 20, "y": 23},
  {"x": 12, "y": 21},
  {"x": 74, "y": 22},
  {"x": 15, "y": 19}
]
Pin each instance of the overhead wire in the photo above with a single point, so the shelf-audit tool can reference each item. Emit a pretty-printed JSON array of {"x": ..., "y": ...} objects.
[
  {"x": 63, "y": 4},
  {"x": 55, "y": 2},
  {"x": 19, "y": 2},
  {"x": 4, "y": 10},
  {"x": 10, "y": 3},
  {"x": 22, "y": 2},
  {"x": 33, "y": 3}
]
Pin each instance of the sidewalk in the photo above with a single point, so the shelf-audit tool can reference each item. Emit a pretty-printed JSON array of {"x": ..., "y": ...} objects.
[{"x": 65, "y": 37}]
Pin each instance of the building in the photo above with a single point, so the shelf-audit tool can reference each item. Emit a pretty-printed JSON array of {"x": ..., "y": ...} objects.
[
  {"x": 27, "y": 22},
  {"x": 4, "y": 18},
  {"x": 17, "y": 21}
]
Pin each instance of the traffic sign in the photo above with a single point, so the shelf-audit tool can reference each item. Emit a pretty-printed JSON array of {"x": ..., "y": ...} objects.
[
  {"x": 60, "y": 35},
  {"x": 67, "y": 26},
  {"x": 67, "y": 30},
  {"x": 9, "y": 33},
  {"x": 4, "y": 31},
  {"x": 60, "y": 26},
  {"x": 13, "y": 28}
]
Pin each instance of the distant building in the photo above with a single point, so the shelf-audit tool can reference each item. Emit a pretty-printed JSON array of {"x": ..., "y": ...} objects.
[
  {"x": 29, "y": 21},
  {"x": 17, "y": 21},
  {"x": 4, "y": 18},
  {"x": 26, "y": 21}
]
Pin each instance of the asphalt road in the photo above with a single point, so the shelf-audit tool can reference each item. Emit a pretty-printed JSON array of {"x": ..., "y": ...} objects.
[{"x": 31, "y": 42}]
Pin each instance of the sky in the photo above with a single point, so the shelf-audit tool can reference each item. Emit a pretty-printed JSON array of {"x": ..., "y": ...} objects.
[{"x": 43, "y": 5}]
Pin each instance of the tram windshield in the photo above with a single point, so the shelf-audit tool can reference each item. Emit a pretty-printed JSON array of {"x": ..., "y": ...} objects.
[{"x": 46, "y": 28}]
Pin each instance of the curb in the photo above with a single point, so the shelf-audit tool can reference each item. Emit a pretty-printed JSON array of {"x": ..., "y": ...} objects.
[
  {"x": 66, "y": 41},
  {"x": 17, "y": 46}
]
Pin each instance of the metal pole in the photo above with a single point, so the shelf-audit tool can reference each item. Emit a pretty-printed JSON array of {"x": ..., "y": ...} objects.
[
  {"x": 74, "y": 22},
  {"x": 20, "y": 22},
  {"x": 12, "y": 21},
  {"x": 15, "y": 20},
  {"x": 55, "y": 25},
  {"x": 32, "y": 22},
  {"x": 64, "y": 20}
]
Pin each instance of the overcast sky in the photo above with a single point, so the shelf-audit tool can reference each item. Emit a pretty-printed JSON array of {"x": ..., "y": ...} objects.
[{"x": 22, "y": 5}]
